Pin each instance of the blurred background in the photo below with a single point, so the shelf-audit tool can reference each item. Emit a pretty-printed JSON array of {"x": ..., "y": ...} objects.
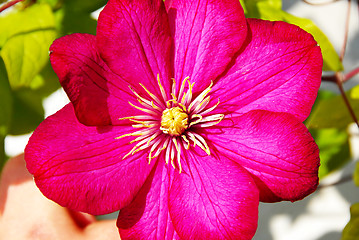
[{"x": 321, "y": 216}]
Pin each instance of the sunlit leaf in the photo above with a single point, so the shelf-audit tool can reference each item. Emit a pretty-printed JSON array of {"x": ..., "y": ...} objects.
[
  {"x": 271, "y": 10},
  {"x": 28, "y": 35},
  {"x": 332, "y": 113},
  {"x": 356, "y": 174},
  {"x": 351, "y": 230},
  {"x": 334, "y": 149},
  {"x": 243, "y": 6},
  {"x": 354, "y": 93}
]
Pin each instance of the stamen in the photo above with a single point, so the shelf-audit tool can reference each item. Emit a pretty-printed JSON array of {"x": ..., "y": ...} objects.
[
  {"x": 200, "y": 97},
  {"x": 173, "y": 155},
  {"x": 202, "y": 105},
  {"x": 163, "y": 93},
  {"x": 186, "y": 140},
  {"x": 154, "y": 146},
  {"x": 144, "y": 101},
  {"x": 139, "y": 117},
  {"x": 197, "y": 139},
  {"x": 152, "y": 95},
  {"x": 196, "y": 121},
  {"x": 143, "y": 109},
  {"x": 182, "y": 87},
  {"x": 173, "y": 85},
  {"x": 210, "y": 109},
  {"x": 168, "y": 151},
  {"x": 188, "y": 95},
  {"x": 164, "y": 146},
  {"x": 146, "y": 136},
  {"x": 178, "y": 154},
  {"x": 175, "y": 122}
]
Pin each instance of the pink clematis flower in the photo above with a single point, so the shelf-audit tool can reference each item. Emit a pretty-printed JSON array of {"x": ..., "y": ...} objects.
[{"x": 183, "y": 116}]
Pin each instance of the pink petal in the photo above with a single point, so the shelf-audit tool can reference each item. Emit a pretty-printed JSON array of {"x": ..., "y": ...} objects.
[
  {"x": 99, "y": 96},
  {"x": 134, "y": 40},
  {"x": 275, "y": 148},
  {"x": 147, "y": 217},
  {"x": 214, "y": 198},
  {"x": 279, "y": 69},
  {"x": 206, "y": 36},
  {"x": 82, "y": 167}
]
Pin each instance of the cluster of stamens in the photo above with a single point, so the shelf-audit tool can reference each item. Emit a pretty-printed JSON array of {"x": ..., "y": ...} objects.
[{"x": 167, "y": 125}]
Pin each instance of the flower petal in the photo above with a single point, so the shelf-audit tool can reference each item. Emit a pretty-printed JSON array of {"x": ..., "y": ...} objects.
[
  {"x": 207, "y": 33},
  {"x": 275, "y": 148},
  {"x": 99, "y": 96},
  {"x": 82, "y": 167},
  {"x": 214, "y": 198},
  {"x": 134, "y": 40},
  {"x": 279, "y": 70},
  {"x": 147, "y": 217}
]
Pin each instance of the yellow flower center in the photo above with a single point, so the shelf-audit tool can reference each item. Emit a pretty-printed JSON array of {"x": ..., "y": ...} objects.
[
  {"x": 174, "y": 133},
  {"x": 174, "y": 121}
]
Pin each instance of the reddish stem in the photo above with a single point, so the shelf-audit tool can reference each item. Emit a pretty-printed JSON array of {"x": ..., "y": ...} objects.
[
  {"x": 342, "y": 53},
  {"x": 8, "y": 4},
  {"x": 339, "y": 81},
  {"x": 351, "y": 74},
  {"x": 318, "y": 4}
]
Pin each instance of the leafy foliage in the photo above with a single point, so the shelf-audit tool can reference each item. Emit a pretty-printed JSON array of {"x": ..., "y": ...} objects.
[
  {"x": 356, "y": 174},
  {"x": 334, "y": 149},
  {"x": 26, "y": 76},
  {"x": 351, "y": 230},
  {"x": 332, "y": 112},
  {"x": 25, "y": 46}
]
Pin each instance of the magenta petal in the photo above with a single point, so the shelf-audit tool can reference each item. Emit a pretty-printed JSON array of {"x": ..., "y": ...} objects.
[
  {"x": 81, "y": 167},
  {"x": 99, "y": 96},
  {"x": 206, "y": 36},
  {"x": 134, "y": 40},
  {"x": 279, "y": 70},
  {"x": 275, "y": 148},
  {"x": 147, "y": 217},
  {"x": 213, "y": 199}
]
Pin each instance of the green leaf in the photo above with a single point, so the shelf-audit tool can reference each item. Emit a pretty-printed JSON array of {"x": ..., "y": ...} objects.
[
  {"x": 6, "y": 107},
  {"x": 85, "y": 6},
  {"x": 334, "y": 149},
  {"x": 332, "y": 112},
  {"x": 53, "y": 3},
  {"x": 48, "y": 80},
  {"x": 5, "y": 101},
  {"x": 356, "y": 174},
  {"x": 25, "y": 41},
  {"x": 351, "y": 230},
  {"x": 71, "y": 22},
  {"x": 354, "y": 93},
  {"x": 271, "y": 10},
  {"x": 28, "y": 112},
  {"x": 244, "y": 6}
]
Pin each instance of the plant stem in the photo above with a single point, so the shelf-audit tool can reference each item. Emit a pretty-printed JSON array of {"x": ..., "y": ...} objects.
[
  {"x": 9, "y": 4},
  {"x": 342, "y": 52},
  {"x": 351, "y": 74},
  {"x": 339, "y": 81},
  {"x": 318, "y": 4}
]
